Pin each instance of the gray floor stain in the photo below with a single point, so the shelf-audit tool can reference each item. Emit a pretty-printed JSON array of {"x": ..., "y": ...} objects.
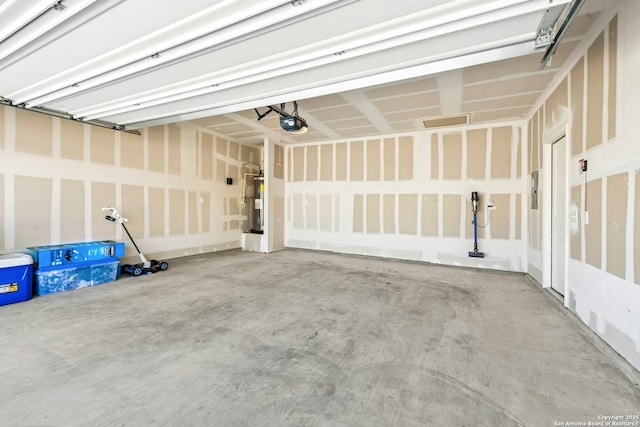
[{"x": 302, "y": 338}]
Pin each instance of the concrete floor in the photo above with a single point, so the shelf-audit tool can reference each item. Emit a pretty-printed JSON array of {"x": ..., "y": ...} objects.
[{"x": 300, "y": 338}]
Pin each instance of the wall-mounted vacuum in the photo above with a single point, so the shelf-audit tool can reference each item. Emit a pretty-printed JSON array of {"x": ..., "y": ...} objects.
[
  {"x": 145, "y": 266},
  {"x": 474, "y": 206}
]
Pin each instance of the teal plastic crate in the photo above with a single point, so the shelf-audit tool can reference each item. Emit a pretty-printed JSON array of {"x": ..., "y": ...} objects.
[{"x": 51, "y": 280}]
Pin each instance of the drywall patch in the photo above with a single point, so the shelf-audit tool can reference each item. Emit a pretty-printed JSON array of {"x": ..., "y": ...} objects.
[
  {"x": 205, "y": 207},
  {"x": 341, "y": 161},
  {"x": 298, "y": 211},
  {"x": 32, "y": 212},
  {"x": 593, "y": 228},
  {"x": 356, "y": 152},
  {"x": 72, "y": 200},
  {"x": 298, "y": 164},
  {"x": 177, "y": 214},
  {"x": 429, "y": 224},
  {"x": 519, "y": 154},
  {"x": 72, "y": 140},
  {"x": 131, "y": 150},
  {"x": 174, "y": 150},
  {"x": 193, "y": 212},
  {"x": 233, "y": 172},
  {"x": 221, "y": 170},
  {"x": 156, "y": 212},
  {"x": 534, "y": 152},
  {"x": 556, "y": 105},
  {"x": 102, "y": 147},
  {"x": 358, "y": 213},
  {"x": 617, "y": 192},
  {"x": 206, "y": 159},
  {"x": 389, "y": 159},
  {"x": 312, "y": 163},
  {"x": 34, "y": 133},
  {"x": 326, "y": 212},
  {"x": 518, "y": 218},
  {"x": 534, "y": 235},
  {"x": 476, "y": 153},
  {"x": 405, "y": 157},
  {"x": 613, "y": 71},
  {"x": 389, "y": 213},
  {"x": 500, "y": 216},
  {"x": 326, "y": 162},
  {"x": 452, "y": 154},
  {"x": 575, "y": 230},
  {"x": 408, "y": 213},
  {"x": 156, "y": 149},
  {"x": 234, "y": 150},
  {"x": 577, "y": 107},
  {"x": 373, "y": 160},
  {"x": 451, "y": 215},
  {"x": 336, "y": 213},
  {"x": 312, "y": 211},
  {"x": 373, "y": 213},
  {"x": 278, "y": 161},
  {"x": 245, "y": 153},
  {"x": 595, "y": 91},
  {"x": 132, "y": 207},
  {"x": 501, "y": 152},
  {"x": 102, "y": 194},
  {"x": 222, "y": 146},
  {"x": 435, "y": 157}
]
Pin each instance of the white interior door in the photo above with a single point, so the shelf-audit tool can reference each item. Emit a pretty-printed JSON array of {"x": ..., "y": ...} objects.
[{"x": 559, "y": 190}]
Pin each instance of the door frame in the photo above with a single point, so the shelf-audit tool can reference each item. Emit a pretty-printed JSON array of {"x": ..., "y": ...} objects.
[
  {"x": 550, "y": 137},
  {"x": 557, "y": 258}
]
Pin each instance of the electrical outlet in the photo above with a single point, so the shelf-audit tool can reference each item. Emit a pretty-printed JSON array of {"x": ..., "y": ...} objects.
[{"x": 491, "y": 205}]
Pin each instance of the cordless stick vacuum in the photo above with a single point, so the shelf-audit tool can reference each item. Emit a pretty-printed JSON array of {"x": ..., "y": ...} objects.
[
  {"x": 145, "y": 266},
  {"x": 474, "y": 207}
]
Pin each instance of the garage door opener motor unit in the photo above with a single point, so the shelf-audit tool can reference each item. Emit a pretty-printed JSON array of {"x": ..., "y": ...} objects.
[{"x": 145, "y": 266}]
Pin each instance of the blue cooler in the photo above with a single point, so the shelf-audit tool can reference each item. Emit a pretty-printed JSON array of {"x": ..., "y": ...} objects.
[{"x": 15, "y": 278}]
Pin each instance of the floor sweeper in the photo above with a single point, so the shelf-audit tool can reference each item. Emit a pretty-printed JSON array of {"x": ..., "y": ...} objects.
[{"x": 143, "y": 267}]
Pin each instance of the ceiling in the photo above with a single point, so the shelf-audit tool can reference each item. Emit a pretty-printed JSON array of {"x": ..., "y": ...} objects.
[{"x": 356, "y": 67}]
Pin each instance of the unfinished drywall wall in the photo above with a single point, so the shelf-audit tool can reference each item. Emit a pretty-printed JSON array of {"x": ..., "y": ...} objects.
[
  {"x": 273, "y": 184},
  {"x": 57, "y": 174},
  {"x": 603, "y": 283},
  {"x": 616, "y": 225},
  {"x": 408, "y": 195}
]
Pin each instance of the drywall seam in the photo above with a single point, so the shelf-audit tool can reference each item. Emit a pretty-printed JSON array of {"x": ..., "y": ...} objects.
[{"x": 629, "y": 244}]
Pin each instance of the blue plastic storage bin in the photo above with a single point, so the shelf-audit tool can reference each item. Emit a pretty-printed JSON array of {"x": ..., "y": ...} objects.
[
  {"x": 16, "y": 272},
  {"x": 52, "y": 280}
]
